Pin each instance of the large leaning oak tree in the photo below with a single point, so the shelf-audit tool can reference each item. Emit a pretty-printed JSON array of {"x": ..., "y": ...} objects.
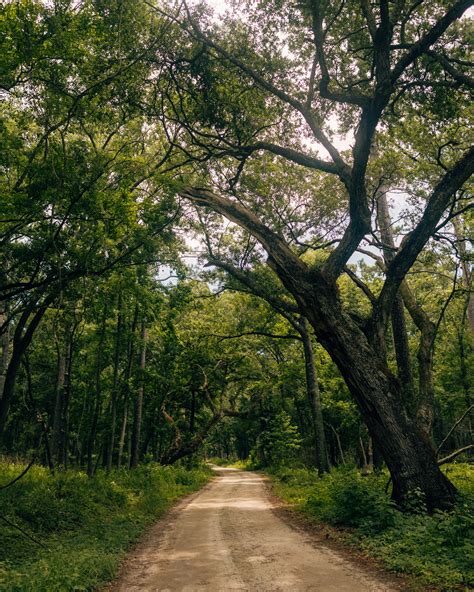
[{"x": 276, "y": 86}]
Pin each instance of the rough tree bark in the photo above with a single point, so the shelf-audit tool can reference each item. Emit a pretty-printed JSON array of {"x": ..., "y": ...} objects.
[
  {"x": 406, "y": 449},
  {"x": 314, "y": 397},
  {"x": 115, "y": 384},
  {"x": 138, "y": 403}
]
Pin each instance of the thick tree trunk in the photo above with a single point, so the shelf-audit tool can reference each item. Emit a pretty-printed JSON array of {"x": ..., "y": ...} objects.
[
  {"x": 138, "y": 404},
  {"x": 314, "y": 397},
  {"x": 406, "y": 448}
]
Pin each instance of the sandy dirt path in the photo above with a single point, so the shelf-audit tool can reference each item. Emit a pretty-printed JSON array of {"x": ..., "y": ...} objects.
[{"x": 228, "y": 537}]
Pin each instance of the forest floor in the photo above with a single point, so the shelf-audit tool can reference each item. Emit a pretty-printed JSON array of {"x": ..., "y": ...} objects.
[{"x": 231, "y": 536}]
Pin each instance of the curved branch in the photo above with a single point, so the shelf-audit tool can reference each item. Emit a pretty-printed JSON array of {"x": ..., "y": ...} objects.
[
  {"x": 453, "y": 455},
  {"x": 280, "y": 253},
  {"x": 22, "y": 474},
  {"x": 299, "y": 158},
  {"x": 258, "y": 334},
  {"x": 414, "y": 242},
  {"x": 360, "y": 284},
  {"x": 454, "y": 13},
  {"x": 254, "y": 286}
]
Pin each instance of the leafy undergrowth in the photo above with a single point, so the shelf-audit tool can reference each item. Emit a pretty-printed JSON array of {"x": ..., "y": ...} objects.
[
  {"x": 439, "y": 549},
  {"x": 85, "y": 524},
  {"x": 230, "y": 462}
]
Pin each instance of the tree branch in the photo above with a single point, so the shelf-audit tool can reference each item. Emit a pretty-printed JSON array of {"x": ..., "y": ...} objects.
[
  {"x": 279, "y": 252},
  {"x": 453, "y": 455},
  {"x": 456, "y": 423},
  {"x": 246, "y": 279},
  {"x": 297, "y": 157},
  {"x": 413, "y": 243},
  {"x": 257, "y": 333},
  {"x": 454, "y": 13},
  {"x": 451, "y": 70}
]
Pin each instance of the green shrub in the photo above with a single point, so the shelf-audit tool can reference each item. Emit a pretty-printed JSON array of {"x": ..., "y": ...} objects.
[{"x": 353, "y": 500}]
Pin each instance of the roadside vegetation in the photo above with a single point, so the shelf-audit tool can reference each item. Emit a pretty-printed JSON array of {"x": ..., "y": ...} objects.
[
  {"x": 437, "y": 548},
  {"x": 75, "y": 530}
]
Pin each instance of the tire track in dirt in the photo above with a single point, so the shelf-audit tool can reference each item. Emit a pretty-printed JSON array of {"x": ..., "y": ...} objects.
[{"x": 227, "y": 537}]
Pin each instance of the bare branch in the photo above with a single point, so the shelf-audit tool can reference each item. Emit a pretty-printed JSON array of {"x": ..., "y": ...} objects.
[
  {"x": 457, "y": 422},
  {"x": 360, "y": 284},
  {"x": 256, "y": 333},
  {"x": 453, "y": 455}
]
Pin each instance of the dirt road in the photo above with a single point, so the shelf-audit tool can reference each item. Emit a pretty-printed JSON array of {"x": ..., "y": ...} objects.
[{"x": 228, "y": 537}]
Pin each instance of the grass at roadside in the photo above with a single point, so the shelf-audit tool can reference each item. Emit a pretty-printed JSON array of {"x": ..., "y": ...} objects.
[
  {"x": 86, "y": 525},
  {"x": 230, "y": 463},
  {"x": 438, "y": 549}
]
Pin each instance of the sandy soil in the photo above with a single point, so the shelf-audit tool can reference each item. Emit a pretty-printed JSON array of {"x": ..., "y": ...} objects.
[{"x": 228, "y": 537}]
